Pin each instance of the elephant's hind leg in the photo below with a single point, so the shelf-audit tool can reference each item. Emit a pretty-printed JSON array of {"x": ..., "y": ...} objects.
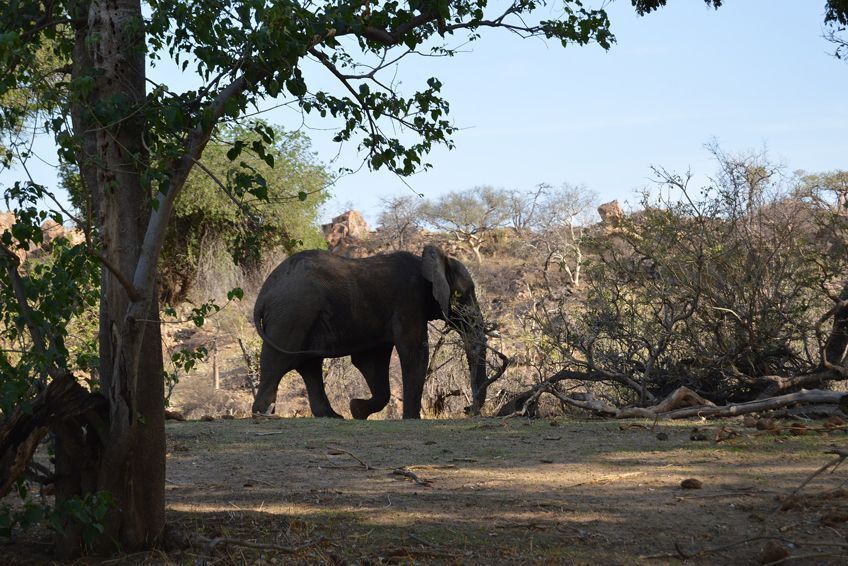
[
  {"x": 273, "y": 366},
  {"x": 312, "y": 372},
  {"x": 374, "y": 365}
]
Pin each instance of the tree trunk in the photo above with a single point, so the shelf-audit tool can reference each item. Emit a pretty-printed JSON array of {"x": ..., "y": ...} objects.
[
  {"x": 836, "y": 348},
  {"x": 130, "y": 461}
]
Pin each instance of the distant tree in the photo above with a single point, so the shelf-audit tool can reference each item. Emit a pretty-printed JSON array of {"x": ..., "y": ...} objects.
[
  {"x": 829, "y": 189},
  {"x": 212, "y": 212},
  {"x": 558, "y": 227},
  {"x": 564, "y": 207},
  {"x": 400, "y": 219},
  {"x": 524, "y": 207},
  {"x": 469, "y": 216}
]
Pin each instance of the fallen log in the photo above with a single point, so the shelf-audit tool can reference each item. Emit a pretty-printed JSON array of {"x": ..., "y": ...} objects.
[
  {"x": 24, "y": 429},
  {"x": 805, "y": 396},
  {"x": 524, "y": 404},
  {"x": 684, "y": 403}
]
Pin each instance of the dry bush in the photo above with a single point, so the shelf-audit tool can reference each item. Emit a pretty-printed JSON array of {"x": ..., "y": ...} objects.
[
  {"x": 726, "y": 292},
  {"x": 195, "y": 397}
]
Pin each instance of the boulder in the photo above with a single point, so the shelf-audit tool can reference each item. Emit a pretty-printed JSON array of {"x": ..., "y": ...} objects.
[
  {"x": 611, "y": 213},
  {"x": 345, "y": 233},
  {"x": 50, "y": 230},
  {"x": 7, "y": 219}
]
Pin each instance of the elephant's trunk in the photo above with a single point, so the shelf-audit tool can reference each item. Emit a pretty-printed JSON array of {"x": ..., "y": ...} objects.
[
  {"x": 473, "y": 334},
  {"x": 477, "y": 367}
]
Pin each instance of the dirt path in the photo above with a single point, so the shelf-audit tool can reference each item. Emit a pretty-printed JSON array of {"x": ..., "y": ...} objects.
[{"x": 494, "y": 492}]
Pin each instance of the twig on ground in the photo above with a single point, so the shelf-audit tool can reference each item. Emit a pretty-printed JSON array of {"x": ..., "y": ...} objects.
[
  {"x": 422, "y": 540},
  {"x": 711, "y": 550},
  {"x": 336, "y": 451},
  {"x": 411, "y": 475},
  {"x": 270, "y": 433},
  {"x": 257, "y": 480},
  {"x": 735, "y": 493},
  {"x": 841, "y": 455}
]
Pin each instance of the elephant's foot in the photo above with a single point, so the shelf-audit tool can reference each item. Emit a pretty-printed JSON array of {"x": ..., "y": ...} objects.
[
  {"x": 262, "y": 408},
  {"x": 360, "y": 409},
  {"x": 411, "y": 413},
  {"x": 327, "y": 414}
]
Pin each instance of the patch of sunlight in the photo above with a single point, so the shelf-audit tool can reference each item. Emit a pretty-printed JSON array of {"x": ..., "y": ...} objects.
[{"x": 397, "y": 517}]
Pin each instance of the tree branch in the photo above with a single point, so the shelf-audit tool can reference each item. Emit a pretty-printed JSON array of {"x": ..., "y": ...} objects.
[
  {"x": 155, "y": 236},
  {"x": 23, "y": 304}
]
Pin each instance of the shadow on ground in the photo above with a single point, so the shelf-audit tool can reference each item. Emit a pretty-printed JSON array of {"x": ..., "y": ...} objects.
[
  {"x": 492, "y": 491},
  {"x": 501, "y": 491}
]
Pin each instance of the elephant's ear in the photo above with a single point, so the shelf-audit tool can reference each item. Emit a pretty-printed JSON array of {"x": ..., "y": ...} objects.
[{"x": 433, "y": 270}]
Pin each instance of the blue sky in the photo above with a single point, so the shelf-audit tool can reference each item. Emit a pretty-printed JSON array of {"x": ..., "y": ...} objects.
[{"x": 754, "y": 74}]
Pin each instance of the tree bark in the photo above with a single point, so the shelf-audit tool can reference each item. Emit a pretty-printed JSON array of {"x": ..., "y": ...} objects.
[{"x": 130, "y": 461}]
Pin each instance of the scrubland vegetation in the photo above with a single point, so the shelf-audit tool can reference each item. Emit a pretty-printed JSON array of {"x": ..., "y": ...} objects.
[{"x": 734, "y": 289}]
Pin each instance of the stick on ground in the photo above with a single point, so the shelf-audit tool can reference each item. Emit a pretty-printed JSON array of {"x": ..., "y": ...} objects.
[{"x": 336, "y": 451}]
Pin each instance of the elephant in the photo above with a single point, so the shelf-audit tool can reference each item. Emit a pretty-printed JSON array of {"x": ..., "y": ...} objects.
[{"x": 317, "y": 305}]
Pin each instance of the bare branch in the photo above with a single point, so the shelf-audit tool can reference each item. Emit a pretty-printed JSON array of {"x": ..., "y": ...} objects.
[{"x": 23, "y": 304}]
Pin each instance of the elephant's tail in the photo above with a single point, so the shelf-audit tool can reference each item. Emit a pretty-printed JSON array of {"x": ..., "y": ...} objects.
[
  {"x": 258, "y": 312},
  {"x": 258, "y": 322}
]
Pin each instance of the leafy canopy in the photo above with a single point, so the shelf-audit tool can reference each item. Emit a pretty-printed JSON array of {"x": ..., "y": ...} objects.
[{"x": 245, "y": 202}]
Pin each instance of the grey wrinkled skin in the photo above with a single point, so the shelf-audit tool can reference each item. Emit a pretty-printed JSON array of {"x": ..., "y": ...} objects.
[{"x": 317, "y": 305}]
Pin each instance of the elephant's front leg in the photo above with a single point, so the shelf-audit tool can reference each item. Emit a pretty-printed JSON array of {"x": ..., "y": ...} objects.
[{"x": 413, "y": 362}]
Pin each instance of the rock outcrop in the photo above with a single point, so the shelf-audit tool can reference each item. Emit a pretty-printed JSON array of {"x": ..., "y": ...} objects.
[
  {"x": 346, "y": 233},
  {"x": 50, "y": 230},
  {"x": 611, "y": 213}
]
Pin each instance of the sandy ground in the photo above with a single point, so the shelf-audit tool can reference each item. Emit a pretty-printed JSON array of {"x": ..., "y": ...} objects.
[
  {"x": 492, "y": 491},
  {"x": 500, "y": 491}
]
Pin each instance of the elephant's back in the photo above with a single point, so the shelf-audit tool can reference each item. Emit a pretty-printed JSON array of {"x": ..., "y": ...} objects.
[
  {"x": 342, "y": 304},
  {"x": 324, "y": 278},
  {"x": 320, "y": 266}
]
